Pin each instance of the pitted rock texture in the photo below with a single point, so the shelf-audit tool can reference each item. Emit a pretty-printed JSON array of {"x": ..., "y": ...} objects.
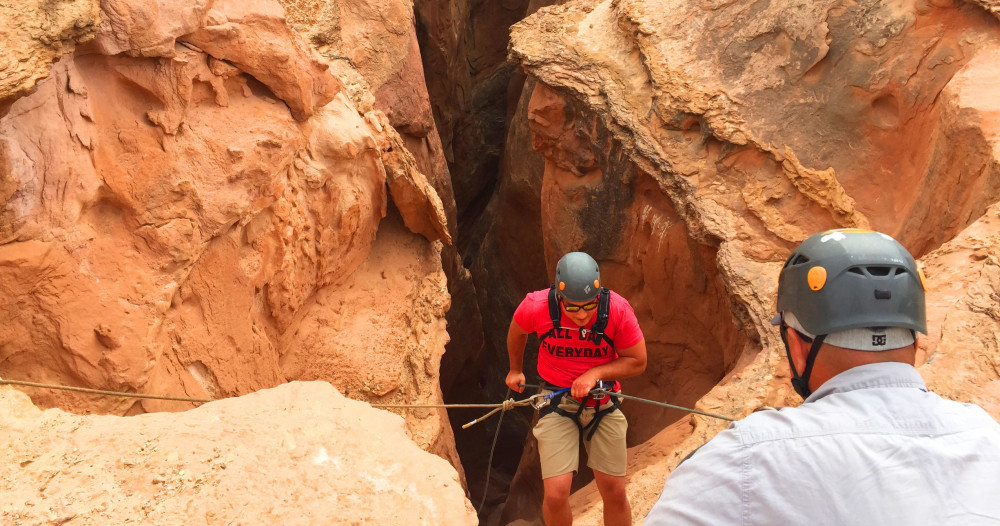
[
  {"x": 727, "y": 132},
  {"x": 380, "y": 38},
  {"x": 34, "y": 34},
  {"x": 300, "y": 453},
  {"x": 178, "y": 213}
]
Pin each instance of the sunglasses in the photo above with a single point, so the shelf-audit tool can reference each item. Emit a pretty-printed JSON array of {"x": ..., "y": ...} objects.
[{"x": 576, "y": 308}]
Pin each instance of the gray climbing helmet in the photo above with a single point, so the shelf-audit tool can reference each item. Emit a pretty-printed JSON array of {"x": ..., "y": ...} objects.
[
  {"x": 578, "y": 278},
  {"x": 847, "y": 279}
]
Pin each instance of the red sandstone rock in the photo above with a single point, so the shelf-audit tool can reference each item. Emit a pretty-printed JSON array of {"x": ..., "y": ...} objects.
[
  {"x": 34, "y": 34},
  {"x": 148, "y": 28},
  {"x": 252, "y": 35},
  {"x": 300, "y": 453},
  {"x": 177, "y": 215},
  {"x": 379, "y": 39},
  {"x": 203, "y": 213}
]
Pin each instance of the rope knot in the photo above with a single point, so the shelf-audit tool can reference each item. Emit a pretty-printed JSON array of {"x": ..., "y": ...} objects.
[{"x": 508, "y": 404}]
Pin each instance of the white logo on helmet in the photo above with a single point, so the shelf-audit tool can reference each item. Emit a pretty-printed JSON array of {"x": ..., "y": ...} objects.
[
  {"x": 836, "y": 236},
  {"x": 587, "y": 289}
]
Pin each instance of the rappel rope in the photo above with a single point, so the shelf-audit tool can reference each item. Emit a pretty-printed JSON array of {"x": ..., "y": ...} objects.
[
  {"x": 496, "y": 435},
  {"x": 535, "y": 401},
  {"x": 502, "y": 407},
  {"x": 103, "y": 392},
  {"x": 601, "y": 392}
]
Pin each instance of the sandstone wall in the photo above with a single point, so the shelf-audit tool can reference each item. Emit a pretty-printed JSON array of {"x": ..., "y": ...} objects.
[
  {"x": 380, "y": 40},
  {"x": 35, "y": 34},
  {"x": 209, "y": 198},
  {"x": 196, "y": 204}
]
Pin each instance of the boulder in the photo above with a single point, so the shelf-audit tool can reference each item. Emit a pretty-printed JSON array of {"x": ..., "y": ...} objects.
[{"x": 300, "y": 453}]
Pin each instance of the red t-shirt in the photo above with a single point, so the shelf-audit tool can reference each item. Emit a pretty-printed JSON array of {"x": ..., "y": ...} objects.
[{"x": 567, "y": 354}]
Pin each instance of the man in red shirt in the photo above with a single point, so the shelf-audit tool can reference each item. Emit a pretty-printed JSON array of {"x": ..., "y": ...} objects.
[{"x": 588, "y": 333}]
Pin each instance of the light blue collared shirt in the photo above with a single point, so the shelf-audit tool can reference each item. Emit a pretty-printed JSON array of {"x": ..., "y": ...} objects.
[{"x": 871, "y": 446}]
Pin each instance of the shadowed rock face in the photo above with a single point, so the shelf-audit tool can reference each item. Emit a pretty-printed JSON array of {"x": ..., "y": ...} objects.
[
  {"x": 593, "y": 198},
  {"x": 195, "y": 204},
  {"x": 738, "y": 129},
  {"x": 480, "y": 109}
]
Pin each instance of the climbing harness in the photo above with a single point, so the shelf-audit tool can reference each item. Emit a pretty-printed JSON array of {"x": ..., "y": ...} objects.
[
  {"x": 596, "y": 332},
  {"x": 598, "y": 394},
  {"x": 603, "y": 391}
]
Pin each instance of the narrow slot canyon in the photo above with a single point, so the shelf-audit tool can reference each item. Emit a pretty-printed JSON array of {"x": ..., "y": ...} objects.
[
  {"x": 313, "y": 221},
  {"x": 592, "y": 198}
]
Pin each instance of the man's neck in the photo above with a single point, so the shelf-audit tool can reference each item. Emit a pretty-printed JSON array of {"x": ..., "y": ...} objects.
[{"x": 832, "y": 360}]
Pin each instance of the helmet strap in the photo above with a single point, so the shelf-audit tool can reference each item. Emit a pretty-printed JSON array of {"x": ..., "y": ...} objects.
[{"x": 801, "y": 383}]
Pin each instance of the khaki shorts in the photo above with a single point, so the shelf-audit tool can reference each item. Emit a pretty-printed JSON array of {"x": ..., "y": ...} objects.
[{"x": 559, "y": 441}]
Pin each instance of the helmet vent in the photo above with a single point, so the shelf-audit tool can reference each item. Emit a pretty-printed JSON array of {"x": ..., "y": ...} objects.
[
  {"x": 880, "y": 272},
  {"x": 875, "y": 271},
  {"x": 800, "y": 259}
]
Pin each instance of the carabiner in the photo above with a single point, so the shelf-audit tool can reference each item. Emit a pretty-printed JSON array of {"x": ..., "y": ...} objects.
[
  {"x": 547, "y": 399},
  {"x": 599, "y": 392}
]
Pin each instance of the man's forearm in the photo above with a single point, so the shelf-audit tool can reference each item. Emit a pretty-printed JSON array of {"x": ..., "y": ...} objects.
[
  {"x": 619, "y": 368},
  {"x": 630, "y": 362},
  {"x": 516, "y": 338},
  {"x": 515, "y": 351}
]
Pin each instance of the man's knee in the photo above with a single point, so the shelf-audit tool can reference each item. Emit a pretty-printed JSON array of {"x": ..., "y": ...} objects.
[
  {"x": 616, "y": 494},
  {"x": 557, "y": 488},
  {"x": 555, "y": 500},
  {"x": 612, "y": 488}
]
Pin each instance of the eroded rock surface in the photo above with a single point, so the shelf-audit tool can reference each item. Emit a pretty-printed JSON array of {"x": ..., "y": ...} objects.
[
  {"x": 381, "y": 39},
  {"x": 211, "y": 199},
  {"x": 300, "y": 453},
  {"x": 186, "y": 204},
  {"x": 34, "y": 34}
]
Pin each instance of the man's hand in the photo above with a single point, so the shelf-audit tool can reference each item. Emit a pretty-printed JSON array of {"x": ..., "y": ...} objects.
[
  {"x": 583, "y": 384},
  {"x": 515, "y": 380}
]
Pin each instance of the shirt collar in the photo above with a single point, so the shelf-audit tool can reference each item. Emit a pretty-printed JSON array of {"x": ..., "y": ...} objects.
[{"x": 888, "y": 374}]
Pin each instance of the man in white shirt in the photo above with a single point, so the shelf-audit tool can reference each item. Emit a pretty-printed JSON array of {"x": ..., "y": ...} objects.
[{"x": 870, "y": 445}]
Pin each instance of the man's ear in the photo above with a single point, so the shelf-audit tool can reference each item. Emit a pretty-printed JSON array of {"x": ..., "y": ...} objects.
[{"x": 798, "y": 349}]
